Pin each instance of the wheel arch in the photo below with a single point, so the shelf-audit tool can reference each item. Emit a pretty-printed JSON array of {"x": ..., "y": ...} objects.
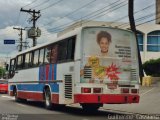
[{"x": 44, "y": 88}]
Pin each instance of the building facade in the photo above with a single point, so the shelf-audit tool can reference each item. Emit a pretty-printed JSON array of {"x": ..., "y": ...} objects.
[{"x": 149, "y": 41}]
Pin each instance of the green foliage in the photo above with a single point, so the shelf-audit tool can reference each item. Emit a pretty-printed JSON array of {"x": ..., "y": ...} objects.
[
  {"x": 152, "y": 67},
  {"x": 2, "y": 72}
]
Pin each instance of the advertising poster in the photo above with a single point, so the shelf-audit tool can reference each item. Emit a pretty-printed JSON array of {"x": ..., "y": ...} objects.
[{"x": 109, "y": 56}]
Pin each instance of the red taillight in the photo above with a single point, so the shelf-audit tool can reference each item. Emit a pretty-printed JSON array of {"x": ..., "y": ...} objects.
[
  {"x": 134, "y": 90},
  {"x": 97, "y": 90},
  {"x": 86, "y": 90},
  {"x": 125, "y": 90}
]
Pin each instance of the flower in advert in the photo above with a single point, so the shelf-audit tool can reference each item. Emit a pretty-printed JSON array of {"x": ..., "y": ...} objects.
[{"x": 112, "y": 72}]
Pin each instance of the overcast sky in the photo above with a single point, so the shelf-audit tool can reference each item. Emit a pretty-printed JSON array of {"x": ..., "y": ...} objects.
[{"x": 57, "y": 14}]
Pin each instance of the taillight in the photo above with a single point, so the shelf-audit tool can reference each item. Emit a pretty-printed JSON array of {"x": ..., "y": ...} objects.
[
  {"x": 125, "y": 90},
  {"x": 97, "y": 90},
  {"x": 134, "y": 90},
  {"x": 86, "y": 90}
]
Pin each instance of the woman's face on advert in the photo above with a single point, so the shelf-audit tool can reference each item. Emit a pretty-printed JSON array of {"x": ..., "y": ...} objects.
[{"x": 104, "y": 44}]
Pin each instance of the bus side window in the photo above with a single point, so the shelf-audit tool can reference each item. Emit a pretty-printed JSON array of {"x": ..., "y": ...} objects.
[
  {"x": 54, "y": 54},
  {"x": 35, "y": 58},
  {"x": 62, "y": 51},
  {"x": 47, "y": 54},
  {"x": 12, "y": 68},
  {"x": 71, "y": 48},
  {"x": 41, "y": 56},
  {"x": 27, "y": 56},
  {"x": 19, "y": 62}
]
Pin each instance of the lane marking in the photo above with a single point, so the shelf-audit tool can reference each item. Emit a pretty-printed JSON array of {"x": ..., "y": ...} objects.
[
  {"x": 4, "y": 96},
  {"x": 142, "y": 94}
]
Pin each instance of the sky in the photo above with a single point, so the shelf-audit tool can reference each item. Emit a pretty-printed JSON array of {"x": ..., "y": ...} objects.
[{"x": 56, "y": 15}]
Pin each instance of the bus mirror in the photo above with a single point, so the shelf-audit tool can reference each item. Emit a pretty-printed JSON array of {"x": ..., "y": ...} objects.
[{"x": 7, "y": 67}]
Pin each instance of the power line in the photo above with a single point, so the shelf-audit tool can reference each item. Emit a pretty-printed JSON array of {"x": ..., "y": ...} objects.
[
  {"x": 72, "y": 12},
  {"x": 110, "y": 9},
  {"x": 29, "y": 3},
  {"x": 59, "y": 29},
  {"x": 145, "y": 8},
  {"x": 51, "y": 5},
  {"x": 147, "y": 21},
  {"x": 35, "y": 16},
  {"x": 17, "y": 21},
  {"x": 87, "y": 15},
  {"x": 20, "y": 11},
  {"x": 41, "y": 4},
  {"x": 126, "y": 16},
  {"x": 21, "y": 37}
]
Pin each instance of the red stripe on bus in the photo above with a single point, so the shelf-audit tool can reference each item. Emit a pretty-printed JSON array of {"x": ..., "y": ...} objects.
[
  {"x": 11, "y": 93},
  {"x": 47, "y": 72},
  {"x": 106, "y": 98},
  {"x": 55, "y": 98},
  {"x": 37, "y": 96},
  {"x": 30, "y": 95}
]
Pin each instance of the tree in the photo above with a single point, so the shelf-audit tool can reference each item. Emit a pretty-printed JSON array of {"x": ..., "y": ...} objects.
[
  {"x": 2, "y": 72},
  {"x": 152, "y": 67}
]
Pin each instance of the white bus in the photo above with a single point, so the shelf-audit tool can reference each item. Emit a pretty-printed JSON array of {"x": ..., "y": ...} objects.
[{"x": 91, "y": 66}]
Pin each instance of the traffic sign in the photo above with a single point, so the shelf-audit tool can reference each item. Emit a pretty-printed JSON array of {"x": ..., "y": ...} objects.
[{"x": 9, "y": 41}]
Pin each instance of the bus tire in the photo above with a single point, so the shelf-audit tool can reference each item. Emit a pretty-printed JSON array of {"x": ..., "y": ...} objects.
[
  {"x": 48, "y": 103},
  {"x": 91, "y": 106},
  {"x": 15, "y": 95}
]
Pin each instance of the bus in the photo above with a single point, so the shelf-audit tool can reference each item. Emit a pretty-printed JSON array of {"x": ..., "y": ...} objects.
[{"x": 91, "y": 66}]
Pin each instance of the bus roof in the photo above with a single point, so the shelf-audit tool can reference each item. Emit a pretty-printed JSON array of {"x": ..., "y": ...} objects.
[{"x": 70, "y": 33}]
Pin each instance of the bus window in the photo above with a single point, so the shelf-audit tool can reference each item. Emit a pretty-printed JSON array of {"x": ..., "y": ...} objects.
[
  {"x": 41, "y": 56},
  {"x": 35, "y": 59},
  {"x": 71, "y": 49},
  {"x": 54, "y": 54},
  {"x": 27, "y": 60},
  {"x": 62, "y": 51},
  {"x": 12, "y": 68},
  {"x": 19, "y": 62},
  {"x": 47, "y": 54}
]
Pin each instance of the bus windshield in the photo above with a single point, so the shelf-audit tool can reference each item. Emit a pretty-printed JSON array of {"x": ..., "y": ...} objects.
[{"x": 109, "y": 55}]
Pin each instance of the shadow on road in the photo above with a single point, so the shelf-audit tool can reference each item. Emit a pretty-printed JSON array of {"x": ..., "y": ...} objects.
[{"x": 69, "y": 109}]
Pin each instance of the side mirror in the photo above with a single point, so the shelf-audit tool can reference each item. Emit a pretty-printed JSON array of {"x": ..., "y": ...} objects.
[{"x": 7, "y": 67}]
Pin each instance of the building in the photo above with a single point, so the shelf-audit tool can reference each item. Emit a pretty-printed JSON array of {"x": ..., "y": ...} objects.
[
  {"x": 148, "y": 36},
  {"x": 149, "y": 41}
]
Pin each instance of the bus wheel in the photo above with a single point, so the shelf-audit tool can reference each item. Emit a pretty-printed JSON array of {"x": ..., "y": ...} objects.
[
  {"x": 91, "y": 106},
  {"x": 15, "y": 95},
  {"x": 48, "y": 103}
]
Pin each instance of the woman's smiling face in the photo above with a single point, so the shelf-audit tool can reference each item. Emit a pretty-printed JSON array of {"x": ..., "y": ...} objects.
[{"x": 104, "y": 44}]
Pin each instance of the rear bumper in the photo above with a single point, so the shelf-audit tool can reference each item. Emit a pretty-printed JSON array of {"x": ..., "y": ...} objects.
[{"x": 106, "y": 98}]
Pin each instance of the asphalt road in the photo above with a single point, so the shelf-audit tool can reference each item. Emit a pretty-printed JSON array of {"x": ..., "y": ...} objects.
[{"x": 31, "y": 110}]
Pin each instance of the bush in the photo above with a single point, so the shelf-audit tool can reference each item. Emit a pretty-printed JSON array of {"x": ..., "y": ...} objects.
[{"x": 152, "y": 67}]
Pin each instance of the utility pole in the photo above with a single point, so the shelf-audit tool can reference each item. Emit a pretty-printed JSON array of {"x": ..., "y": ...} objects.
[
  {"x": 21, "y": 37},
  {"x": 157, "y": 11},
  {"x": 35, "y": 16},
  {"x": 133, "y": 28}
]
